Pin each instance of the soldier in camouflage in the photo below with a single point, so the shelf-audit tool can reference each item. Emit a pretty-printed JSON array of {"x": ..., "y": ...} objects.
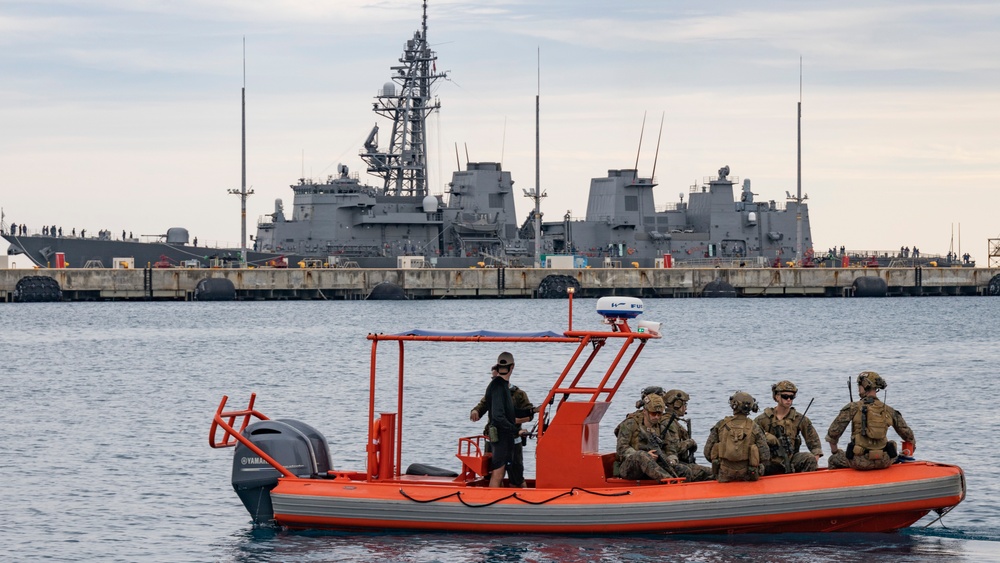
[
  {"x": 870, "y": 420},
  {"x": 637, "y": 455},
  {"x": 736, "y": 445},
  {"x": 783, "y": 426},
  {"x": 680, "y": 447}
]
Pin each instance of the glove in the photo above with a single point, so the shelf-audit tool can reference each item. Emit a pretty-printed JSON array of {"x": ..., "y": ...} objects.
[{"x": 772, "y": 440}]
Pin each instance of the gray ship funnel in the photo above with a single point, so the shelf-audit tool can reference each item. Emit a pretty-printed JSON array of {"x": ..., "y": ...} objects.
[{"x": 177, "y": 235}]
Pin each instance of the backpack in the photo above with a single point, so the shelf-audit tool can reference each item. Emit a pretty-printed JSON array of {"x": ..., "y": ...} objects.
[
  {"x": 870, "y": 425},
  {"x": 736, "y": 441}
]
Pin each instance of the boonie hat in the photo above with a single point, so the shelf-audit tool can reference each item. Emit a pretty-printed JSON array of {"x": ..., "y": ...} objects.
[{"x": 505, "y": 361}]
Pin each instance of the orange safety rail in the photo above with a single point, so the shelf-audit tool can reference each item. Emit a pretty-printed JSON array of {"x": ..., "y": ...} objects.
[
  {"x": 596, "y": 339},
  {"x": 474, "y": 461},
  {"x": 372, "y": 442},
  {"x": 226, "y": 420}
]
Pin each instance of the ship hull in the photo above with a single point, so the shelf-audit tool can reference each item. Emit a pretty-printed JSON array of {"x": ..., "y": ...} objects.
[{"x": 80, "y": 252}]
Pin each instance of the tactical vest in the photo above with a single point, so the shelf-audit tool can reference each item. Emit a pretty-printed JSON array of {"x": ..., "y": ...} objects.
[
  {"x": 790, "y": 426},
  {"x": 870, "y": 425},
  {"x": 736, "y": 441}
]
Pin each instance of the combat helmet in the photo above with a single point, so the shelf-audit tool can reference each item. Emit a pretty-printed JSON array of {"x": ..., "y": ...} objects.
[
  {"x": 743, "y": 403},
  {"x": 672, "y": 397},
  {"x": 652, "y": 389},
  {"x": 871, "y": 380},
  {"x": 784, "y": 386},
  {"x": 653, "y": 403}
]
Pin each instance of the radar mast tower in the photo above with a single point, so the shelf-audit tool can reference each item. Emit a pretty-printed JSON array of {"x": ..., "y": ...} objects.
[{"x": 407, "y": 101}]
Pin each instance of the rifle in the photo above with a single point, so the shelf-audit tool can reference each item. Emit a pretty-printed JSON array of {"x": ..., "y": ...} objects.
[
  {"x": 785, "y": 441},
  {"x": 784, "y": 447},
  {"x": 657, "y": 443}
]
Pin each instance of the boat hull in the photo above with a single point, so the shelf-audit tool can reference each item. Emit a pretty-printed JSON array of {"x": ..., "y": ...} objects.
[{"x": 823, "y": 501}]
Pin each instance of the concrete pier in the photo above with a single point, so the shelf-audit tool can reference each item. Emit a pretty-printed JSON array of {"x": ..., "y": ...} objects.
[{"x": 78, "y": 284}]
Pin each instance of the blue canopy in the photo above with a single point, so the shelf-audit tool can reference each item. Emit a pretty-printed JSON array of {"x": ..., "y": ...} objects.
[{"x": 490, "y": 333}]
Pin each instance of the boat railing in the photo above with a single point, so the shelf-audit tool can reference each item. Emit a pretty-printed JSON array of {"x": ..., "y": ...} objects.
[
  {"x": 226, "y": 420},
  {"x": 475, "y": 460}
]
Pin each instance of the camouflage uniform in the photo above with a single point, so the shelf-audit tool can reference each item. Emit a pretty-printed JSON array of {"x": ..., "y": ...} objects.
[
  {"x": 680, "y": 448},
  {"x": 794, "y": 425},
  {"x": 522, "y": 408},
  {"x": 860, "y": 458},
  {"x": 738, "y": 470},
  {"x": 634, "y": 445}
]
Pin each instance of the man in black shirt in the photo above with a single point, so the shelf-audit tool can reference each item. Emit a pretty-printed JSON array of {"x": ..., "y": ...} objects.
[{"x": 502, "y": 427}]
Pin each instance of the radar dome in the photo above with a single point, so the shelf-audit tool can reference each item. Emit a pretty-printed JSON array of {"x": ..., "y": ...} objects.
[
  {"x": 389, "y": 89},
  {"x": 430, "y": 204}
]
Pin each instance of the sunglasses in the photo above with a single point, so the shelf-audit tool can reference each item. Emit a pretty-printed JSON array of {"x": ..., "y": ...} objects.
[{"x": 786, "y": 396}]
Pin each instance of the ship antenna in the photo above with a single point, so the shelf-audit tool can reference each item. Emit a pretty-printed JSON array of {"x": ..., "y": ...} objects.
[
  {"x": 538, "y": 174},
  {"x": 458, "y": 163},
  {"x": 243, "y": 192},
  {"x": 798, "y": 189},
  {"x": 466, "y": 152},
  {"x": 642, "y": 131},
  {"x": 503, "y": 140},
  {"x": 652, "y": 177}
]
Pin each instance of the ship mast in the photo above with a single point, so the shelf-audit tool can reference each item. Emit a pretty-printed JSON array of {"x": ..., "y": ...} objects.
[
  {"x": 798, "y": 191},
  {"x": 407, "y": 101},
  {"x": 538, "y": 194},
  {"x": 242, "y": 192}
]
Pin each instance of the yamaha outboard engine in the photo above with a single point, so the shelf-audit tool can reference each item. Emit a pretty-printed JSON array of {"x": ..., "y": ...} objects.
[{"x": 295, "y": 445}]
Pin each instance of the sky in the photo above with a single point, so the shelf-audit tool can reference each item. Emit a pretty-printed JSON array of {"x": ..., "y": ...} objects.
[{"x": 126, "y": 115}]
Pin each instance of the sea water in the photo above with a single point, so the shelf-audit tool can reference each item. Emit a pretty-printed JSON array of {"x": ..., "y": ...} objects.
[{"x": 106, "y": 409}]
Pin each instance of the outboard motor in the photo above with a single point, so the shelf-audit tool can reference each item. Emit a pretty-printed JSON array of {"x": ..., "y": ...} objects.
[{"x": 295, "y": 445}]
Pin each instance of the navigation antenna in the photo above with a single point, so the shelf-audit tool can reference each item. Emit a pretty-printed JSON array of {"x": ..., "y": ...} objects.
[
  {"x": 798, "y": 199},
  {"x": 539, "y": 194},
  {"x": 642, "y": 132},
  {"x": 403, "y": 165},
  {"x": 659, "y": 137},
  {"x": 243, "y": 192}
]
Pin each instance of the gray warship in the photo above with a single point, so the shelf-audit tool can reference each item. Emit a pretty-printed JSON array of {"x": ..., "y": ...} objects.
[
  {"x": 341, "y": 222},
  {"x": 624, "y": 225}
]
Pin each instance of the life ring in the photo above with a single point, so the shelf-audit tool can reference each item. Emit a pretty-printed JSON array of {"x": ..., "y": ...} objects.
[
  {"x": 631, "y": 251},
  {"x": 373, "y": 448}
]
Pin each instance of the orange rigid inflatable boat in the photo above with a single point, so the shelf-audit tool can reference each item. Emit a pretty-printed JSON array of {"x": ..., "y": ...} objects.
[{"x": 283, "y": 475}]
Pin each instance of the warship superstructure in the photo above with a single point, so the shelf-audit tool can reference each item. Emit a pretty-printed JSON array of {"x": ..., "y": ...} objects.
[
  {"x": 341, "y": 221},
  {"x": 623, "y": 224}
]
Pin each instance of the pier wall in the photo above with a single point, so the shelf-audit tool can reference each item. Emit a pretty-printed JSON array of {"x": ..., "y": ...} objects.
[{"x": 356, "y": 283}]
